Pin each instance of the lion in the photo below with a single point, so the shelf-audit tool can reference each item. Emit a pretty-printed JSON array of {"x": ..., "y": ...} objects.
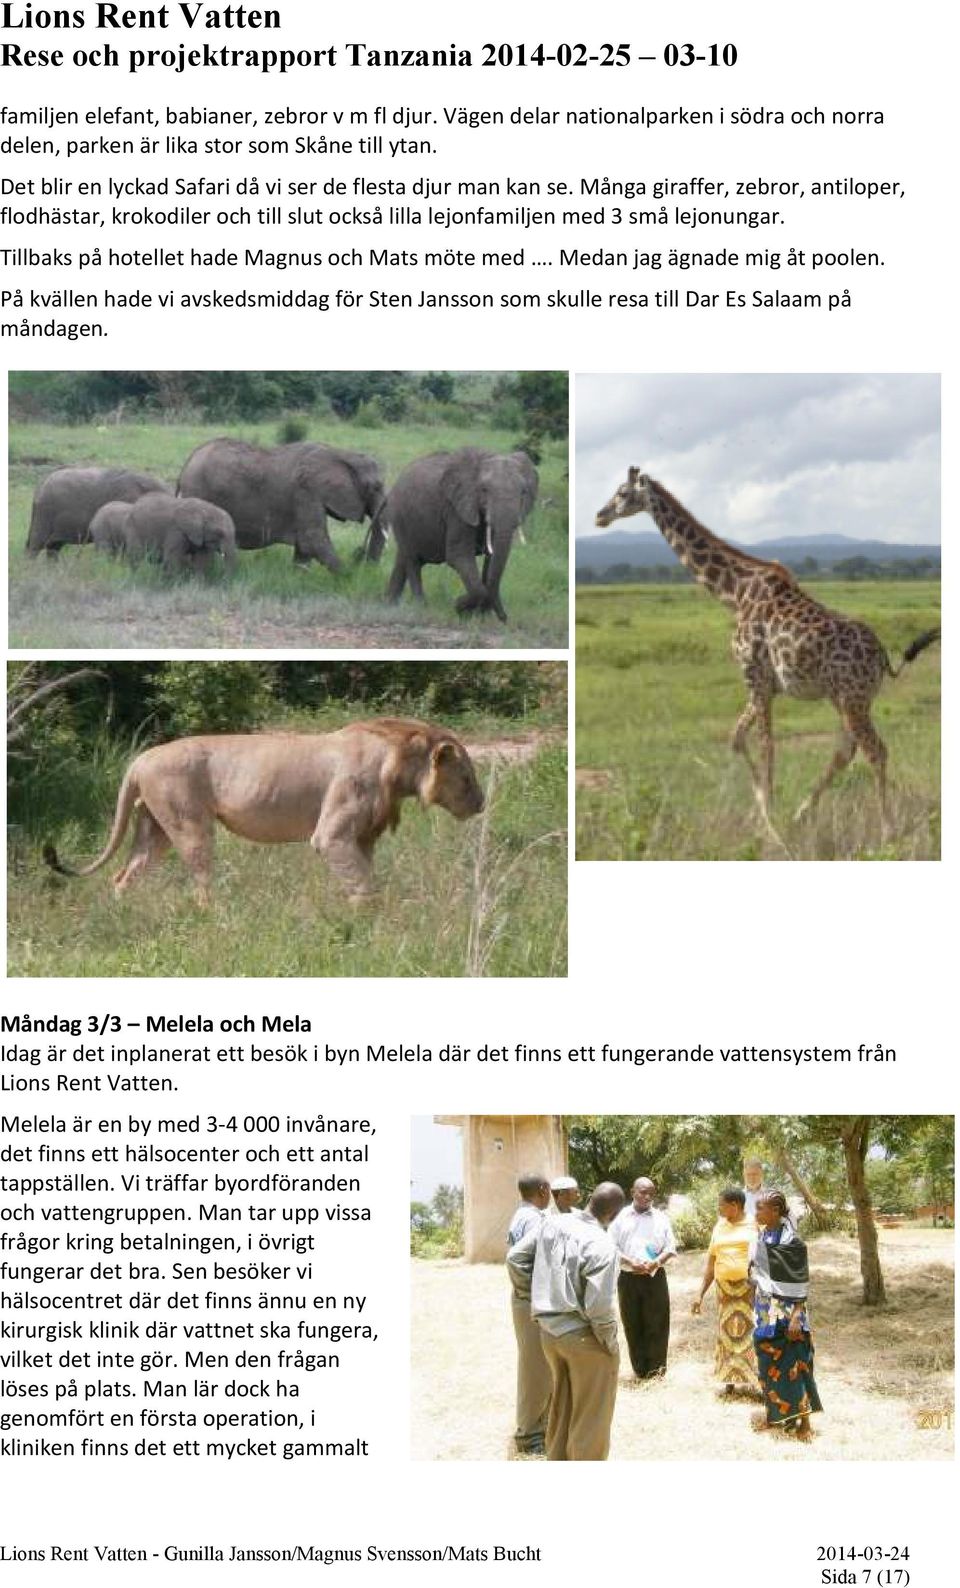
[{"x": 338, "y": 791}]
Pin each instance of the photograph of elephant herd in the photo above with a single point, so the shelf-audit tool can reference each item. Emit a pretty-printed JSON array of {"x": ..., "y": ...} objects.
[
  {"x": 266, "y": 818},
  {"x": 306, "y": 510}
]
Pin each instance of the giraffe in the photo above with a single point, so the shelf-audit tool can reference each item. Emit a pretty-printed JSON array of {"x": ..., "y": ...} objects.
[{"x": 785, "y": 643}]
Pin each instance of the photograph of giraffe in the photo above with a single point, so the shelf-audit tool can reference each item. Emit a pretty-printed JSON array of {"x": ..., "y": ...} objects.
[{"x": 820, "y": 572}]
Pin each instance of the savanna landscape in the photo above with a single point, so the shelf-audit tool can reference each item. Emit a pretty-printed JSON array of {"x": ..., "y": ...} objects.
[
  {"x": 482, "y": 897},
  {"x": 658, "y": 695},
  {"x": 86, "y": 600}
]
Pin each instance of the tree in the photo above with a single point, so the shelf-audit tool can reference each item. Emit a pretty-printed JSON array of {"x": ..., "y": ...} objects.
[
  {"x": 438, "y": 384},
  {"x": 30, "y": 694},
  {"x": 543, "y": 397},
  {"x": 675, "y": 1150},
  {"x": 213, "y": 697},
  {"x": 422, "y": 1221},
  {"x": 347, "y": 390},
  {"x": 925, "y": 1145},
  {"x": 784, "y": 1140},
  {"x": 447, "y": 1204}
]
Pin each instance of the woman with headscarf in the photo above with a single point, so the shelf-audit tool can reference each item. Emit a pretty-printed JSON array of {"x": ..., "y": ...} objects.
[
  {"x": 727, "y": 1263},
  {"x": 781, "y": 1328}
]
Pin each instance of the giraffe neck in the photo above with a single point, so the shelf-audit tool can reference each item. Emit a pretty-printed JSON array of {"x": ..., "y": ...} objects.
[{"x": 720, "y": 568}]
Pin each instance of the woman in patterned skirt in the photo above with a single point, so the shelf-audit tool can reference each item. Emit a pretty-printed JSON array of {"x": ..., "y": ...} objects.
[
  {"x": 781, "y": 1333},
  {"x": 728, "y": 1260}
]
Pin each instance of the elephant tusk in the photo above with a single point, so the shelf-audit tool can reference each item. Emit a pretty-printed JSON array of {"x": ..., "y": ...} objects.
[
  {"x": 523, "y": 538},
  {"x": 489, "y": 542}
]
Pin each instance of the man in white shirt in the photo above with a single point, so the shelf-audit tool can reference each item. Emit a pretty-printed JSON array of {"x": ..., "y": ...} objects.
[
  {"x": 566, "y": 1194},
  {"x": 644, "y": 1239},
  {"x": 753, "y": 1187},
  {"x": 533, "y": 1374},
  {"x": 568, "y": 1270}
]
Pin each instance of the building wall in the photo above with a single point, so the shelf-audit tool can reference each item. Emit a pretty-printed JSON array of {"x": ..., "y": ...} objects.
[{"x": 497, "y": 1149}]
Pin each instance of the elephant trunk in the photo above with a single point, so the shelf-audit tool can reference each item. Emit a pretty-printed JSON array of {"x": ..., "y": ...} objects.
[
  {"x": 499, "y": 539},
  {"x": 229, "y": 549},
  {"x": 376, "y": 537}
]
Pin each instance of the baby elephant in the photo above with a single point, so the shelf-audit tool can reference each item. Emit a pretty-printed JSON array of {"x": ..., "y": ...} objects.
[
  {"x": 455, "y": 507},
  {"x": 183, "y": 533},
  {"x": 108, "y": 527},
  {"x": 336, "y": 791},
  {"x": 67, "y": 500}
]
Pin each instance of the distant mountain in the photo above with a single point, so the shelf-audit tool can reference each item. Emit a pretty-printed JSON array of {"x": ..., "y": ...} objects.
[{"x": 646, "y": 548}]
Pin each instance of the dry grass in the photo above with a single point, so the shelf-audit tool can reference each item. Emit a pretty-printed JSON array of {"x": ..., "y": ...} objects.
[
  {"x": 875, "y": 1370},
  {"x": 484, "y": 898},
  {"x": 83, "y": 602}
]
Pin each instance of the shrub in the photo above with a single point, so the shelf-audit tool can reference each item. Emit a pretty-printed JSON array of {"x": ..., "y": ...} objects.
[
  {"x": 535, "y": 399},
  {"x": 438, "y": 1243},
  {"x": 347, "y": 390},
  {"x": 438, "y": 384},
  {"x": 508, "y": 689},
  {"x": 293, "y": 427},
  {"x": 693, "y": 1225},
  {"x": 839, "y": 1221},
  {"x": 213, "y": 697}
]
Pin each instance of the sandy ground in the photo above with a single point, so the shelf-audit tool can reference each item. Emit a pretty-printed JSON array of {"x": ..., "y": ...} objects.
[{"x": 877, "y": 1371}]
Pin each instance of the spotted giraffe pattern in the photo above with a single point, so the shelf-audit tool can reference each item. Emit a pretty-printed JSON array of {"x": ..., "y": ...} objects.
[{"x": 784, "y": 641}]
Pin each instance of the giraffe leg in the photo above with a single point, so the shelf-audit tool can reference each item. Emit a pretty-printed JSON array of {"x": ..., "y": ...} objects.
[
  {"x": 875, "y": 751},
  {"x": 758, "y": 713},
  {"x": 846, "y": 749}
]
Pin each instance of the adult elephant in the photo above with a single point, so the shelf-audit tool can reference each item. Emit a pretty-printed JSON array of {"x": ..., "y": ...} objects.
[
  {"x": 184, "y": 533},
  {"x": 286, "y": 494},
  {"x": 454, "y": 507},
  {"x": 65, "y": 502}
]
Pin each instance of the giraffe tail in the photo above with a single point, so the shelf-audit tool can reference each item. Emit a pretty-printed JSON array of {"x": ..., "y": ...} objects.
[{"x": 929, "y": 637}]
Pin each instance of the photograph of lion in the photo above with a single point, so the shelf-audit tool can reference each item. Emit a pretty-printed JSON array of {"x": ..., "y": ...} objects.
[{"x": 257, "y": 759}]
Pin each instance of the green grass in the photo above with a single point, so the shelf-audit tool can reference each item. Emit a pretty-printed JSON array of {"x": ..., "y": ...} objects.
[
  {"x": 485, "y": 897},
  {"x": 87, "y": 602},
  {"x": 657, "y": 698}
]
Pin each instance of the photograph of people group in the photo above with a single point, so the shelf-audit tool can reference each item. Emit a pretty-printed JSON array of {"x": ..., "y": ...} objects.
[
  {"x": 573, "y": 1271},
  {"x": 766, "y": 1271}
]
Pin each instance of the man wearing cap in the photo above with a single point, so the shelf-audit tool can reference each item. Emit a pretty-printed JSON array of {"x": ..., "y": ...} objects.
[
  {"x": 568, "y": 1269},
  {"x": 566, "y": 1194},
  {"x": 644, "y": 1239},
  {"x": 533, "y": 1374}
]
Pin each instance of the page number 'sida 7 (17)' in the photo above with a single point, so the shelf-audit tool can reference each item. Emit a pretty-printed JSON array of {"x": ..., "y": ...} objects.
[{"x": 868, "y": 1565}]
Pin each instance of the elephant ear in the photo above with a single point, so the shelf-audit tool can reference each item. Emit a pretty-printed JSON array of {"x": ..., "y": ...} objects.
[
  {"x": 336, "y": 482},
  {"x": 531, "y": 483},
  {"x": 194, "y": 533},
  {"x": 460, "y": 488},
  {"x": 193, "y": 521}
]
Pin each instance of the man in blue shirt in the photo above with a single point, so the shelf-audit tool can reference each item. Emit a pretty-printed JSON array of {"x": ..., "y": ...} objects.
[
  {"x": 533, "y": 1374},
  {"x": 568, "y": 1270}
]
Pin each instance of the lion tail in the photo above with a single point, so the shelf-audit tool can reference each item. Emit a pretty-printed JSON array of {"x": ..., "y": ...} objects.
[
  {"x": 126, "y": 800},
  {"x": 928, "y": 637}
]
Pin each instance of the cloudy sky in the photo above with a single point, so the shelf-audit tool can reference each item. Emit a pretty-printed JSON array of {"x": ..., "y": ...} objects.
[{"x": 759, "y": 456}]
